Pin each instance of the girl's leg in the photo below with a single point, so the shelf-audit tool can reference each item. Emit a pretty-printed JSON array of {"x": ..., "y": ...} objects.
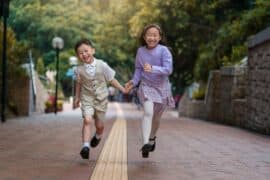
[
  {"x": 147, "y": 120},
  {"x": 158, "y": 111}
]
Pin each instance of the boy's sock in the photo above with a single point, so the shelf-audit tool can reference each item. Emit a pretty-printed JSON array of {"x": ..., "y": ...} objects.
[
  {"x": 85, "y": 150},
  {"x": 86, "y": 144},
  {"x": 98, "y": 136},
  {"x": 95, "y": 140}
]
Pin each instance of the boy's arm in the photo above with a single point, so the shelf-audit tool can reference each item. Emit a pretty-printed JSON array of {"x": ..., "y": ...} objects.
[
  {"x": 77, "y": 95},
  {"x": 117, "y": 85}
]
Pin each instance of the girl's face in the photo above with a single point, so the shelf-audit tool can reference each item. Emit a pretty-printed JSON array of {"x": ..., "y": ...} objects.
[
  {"x": 85, "y": 53},
  {"x": 152, "y": 37}
]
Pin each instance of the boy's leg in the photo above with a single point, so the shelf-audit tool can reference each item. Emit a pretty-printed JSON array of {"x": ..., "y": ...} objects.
[
  {"x": 99, "y": 123},
  {"x": 87, "y": 121},
  {"x": 99, "y": 116},
  {"x": 86, "y": 129}
]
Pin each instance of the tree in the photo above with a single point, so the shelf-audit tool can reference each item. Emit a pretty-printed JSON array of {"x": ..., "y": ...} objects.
[{"x": 40, "y": 66}]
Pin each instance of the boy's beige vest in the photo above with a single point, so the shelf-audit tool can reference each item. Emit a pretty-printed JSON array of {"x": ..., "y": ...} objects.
[{"x": 93, "y": 87}]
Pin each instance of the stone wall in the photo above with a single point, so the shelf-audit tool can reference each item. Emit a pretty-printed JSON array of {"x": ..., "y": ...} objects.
[
  {"x": 20, "y": 93},
  {"x": 232, "y": 89},
  {"x": 191, "y": 108},
  {"x": 18, "y": 96},
  {"x": 41, "y": 95},
  {"x": 238, "y": 95},
  {"x": 225, "y": 98},
  {"x": 258, "y": 90},
  {"x": 212, "y": 96}
]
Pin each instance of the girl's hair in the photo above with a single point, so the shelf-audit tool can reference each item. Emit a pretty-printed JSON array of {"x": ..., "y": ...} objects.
[
  {"x": 83, "y": 41},
  {"x": 162, "y": 41}
]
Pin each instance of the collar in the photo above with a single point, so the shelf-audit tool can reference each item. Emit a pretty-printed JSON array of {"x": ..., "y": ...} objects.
[{"x": 91, "y": 65}]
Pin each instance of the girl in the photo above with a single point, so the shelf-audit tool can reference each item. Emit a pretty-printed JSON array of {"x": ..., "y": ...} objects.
[
  {"x": 91, "y": 90},
  {"x": 152, "y": 68}
]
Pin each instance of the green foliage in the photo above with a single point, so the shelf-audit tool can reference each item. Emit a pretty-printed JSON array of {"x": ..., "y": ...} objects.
[
  {"x": 203, "y": 35},
  {"x": 40, "y": 66},
  {"x": 228, "y": 44},
  {"x": 199, "y": 94},
  {"x": 50, "y": 105},
  {"x": 15, "y": 52}
]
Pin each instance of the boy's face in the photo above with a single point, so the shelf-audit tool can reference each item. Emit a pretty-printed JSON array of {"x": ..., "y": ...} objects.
[
  {"x": 152, "y": 37},
  {"x": 85, "y": 53}
]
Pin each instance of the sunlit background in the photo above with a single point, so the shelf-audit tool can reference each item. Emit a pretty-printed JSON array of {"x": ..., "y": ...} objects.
[{"x": 203, "y": 35}]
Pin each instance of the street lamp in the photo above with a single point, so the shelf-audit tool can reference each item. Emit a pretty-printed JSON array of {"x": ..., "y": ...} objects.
[
  {"x": 4, "y": 12},
  {"x": 73, "y": 61},
  {"x": 58, "y": 44}
]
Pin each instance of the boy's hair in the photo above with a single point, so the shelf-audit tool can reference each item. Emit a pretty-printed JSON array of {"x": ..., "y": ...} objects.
[
  {"x": 162, "y": 41},
  {"x": 83, "y": 41}
]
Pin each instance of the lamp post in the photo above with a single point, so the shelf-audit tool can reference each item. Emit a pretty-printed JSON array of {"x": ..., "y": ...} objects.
[
  {"x": 4, "y": 12},
  {"x": 73, "y": 61},
  {"x": 58, "y": 44}
]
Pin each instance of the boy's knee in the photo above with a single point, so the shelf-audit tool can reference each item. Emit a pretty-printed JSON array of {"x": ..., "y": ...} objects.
[
  {"x": 100, "y": 128},
  {"x": 88, "y": 121},
  {"x": 100, "y": 125}
]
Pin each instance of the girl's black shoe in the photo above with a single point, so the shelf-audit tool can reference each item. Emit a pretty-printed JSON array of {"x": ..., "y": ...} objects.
[
  {"x": 153, "y": 147},
  {"x": 145, "y": 150},
  {"x": 145, "y": 154}
]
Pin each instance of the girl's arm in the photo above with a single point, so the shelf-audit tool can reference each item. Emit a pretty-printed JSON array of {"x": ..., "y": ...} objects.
[
  {"x": 138, "y": 70},
  {"x": 117, "y": 85},
  {"x": 166, "y": 68}
]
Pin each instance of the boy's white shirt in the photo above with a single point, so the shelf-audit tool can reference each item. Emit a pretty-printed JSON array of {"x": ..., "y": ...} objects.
[{"x": 91, "y": 68}]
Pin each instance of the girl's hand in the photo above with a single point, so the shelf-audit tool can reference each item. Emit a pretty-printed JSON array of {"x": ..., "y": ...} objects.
[
  {"x": 125, "y": 91},
  {"x": 147, "y": 67},
  {"x": 129, "y": 86}
]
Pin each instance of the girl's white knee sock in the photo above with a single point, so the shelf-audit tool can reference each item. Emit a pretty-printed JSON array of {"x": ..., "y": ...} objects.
[{"x": 147, "y": 120}]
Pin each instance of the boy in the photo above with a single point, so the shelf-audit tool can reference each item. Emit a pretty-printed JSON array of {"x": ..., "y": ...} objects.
[{"x": 91, "y": 90}]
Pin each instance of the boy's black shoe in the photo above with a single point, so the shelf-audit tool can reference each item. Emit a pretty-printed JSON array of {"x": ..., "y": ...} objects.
[
  {"x": 85, "y": 152},
  {"x": 94, "y": 141},
  {"x": 145, "y": 150}
]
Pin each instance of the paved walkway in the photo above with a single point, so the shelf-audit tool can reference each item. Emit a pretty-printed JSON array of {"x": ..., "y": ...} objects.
[{"x": 46, "y": 147}]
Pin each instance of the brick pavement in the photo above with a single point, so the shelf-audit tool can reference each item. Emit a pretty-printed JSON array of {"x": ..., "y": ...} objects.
[{"x": 46, "y": 147}]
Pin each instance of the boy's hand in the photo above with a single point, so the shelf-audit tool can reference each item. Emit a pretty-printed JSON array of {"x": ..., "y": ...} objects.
[
  {"x": 129, "y": 86},
  {"x": 76, "y": 103}
]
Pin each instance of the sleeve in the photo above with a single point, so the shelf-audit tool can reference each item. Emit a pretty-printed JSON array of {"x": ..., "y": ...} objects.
[
  {"x": 166, "y": 68},
  {"x": 109, "y": 73},
  {"x": 138, "y": 69},
  {"x": 77, "y": 75}
]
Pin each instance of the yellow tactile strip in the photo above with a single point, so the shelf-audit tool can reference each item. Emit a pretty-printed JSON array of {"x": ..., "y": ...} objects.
[{"x": 112, "y": 162}]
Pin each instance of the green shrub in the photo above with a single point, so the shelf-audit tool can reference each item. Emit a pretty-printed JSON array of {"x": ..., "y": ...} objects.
[{"x": 199, "y": 94}]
